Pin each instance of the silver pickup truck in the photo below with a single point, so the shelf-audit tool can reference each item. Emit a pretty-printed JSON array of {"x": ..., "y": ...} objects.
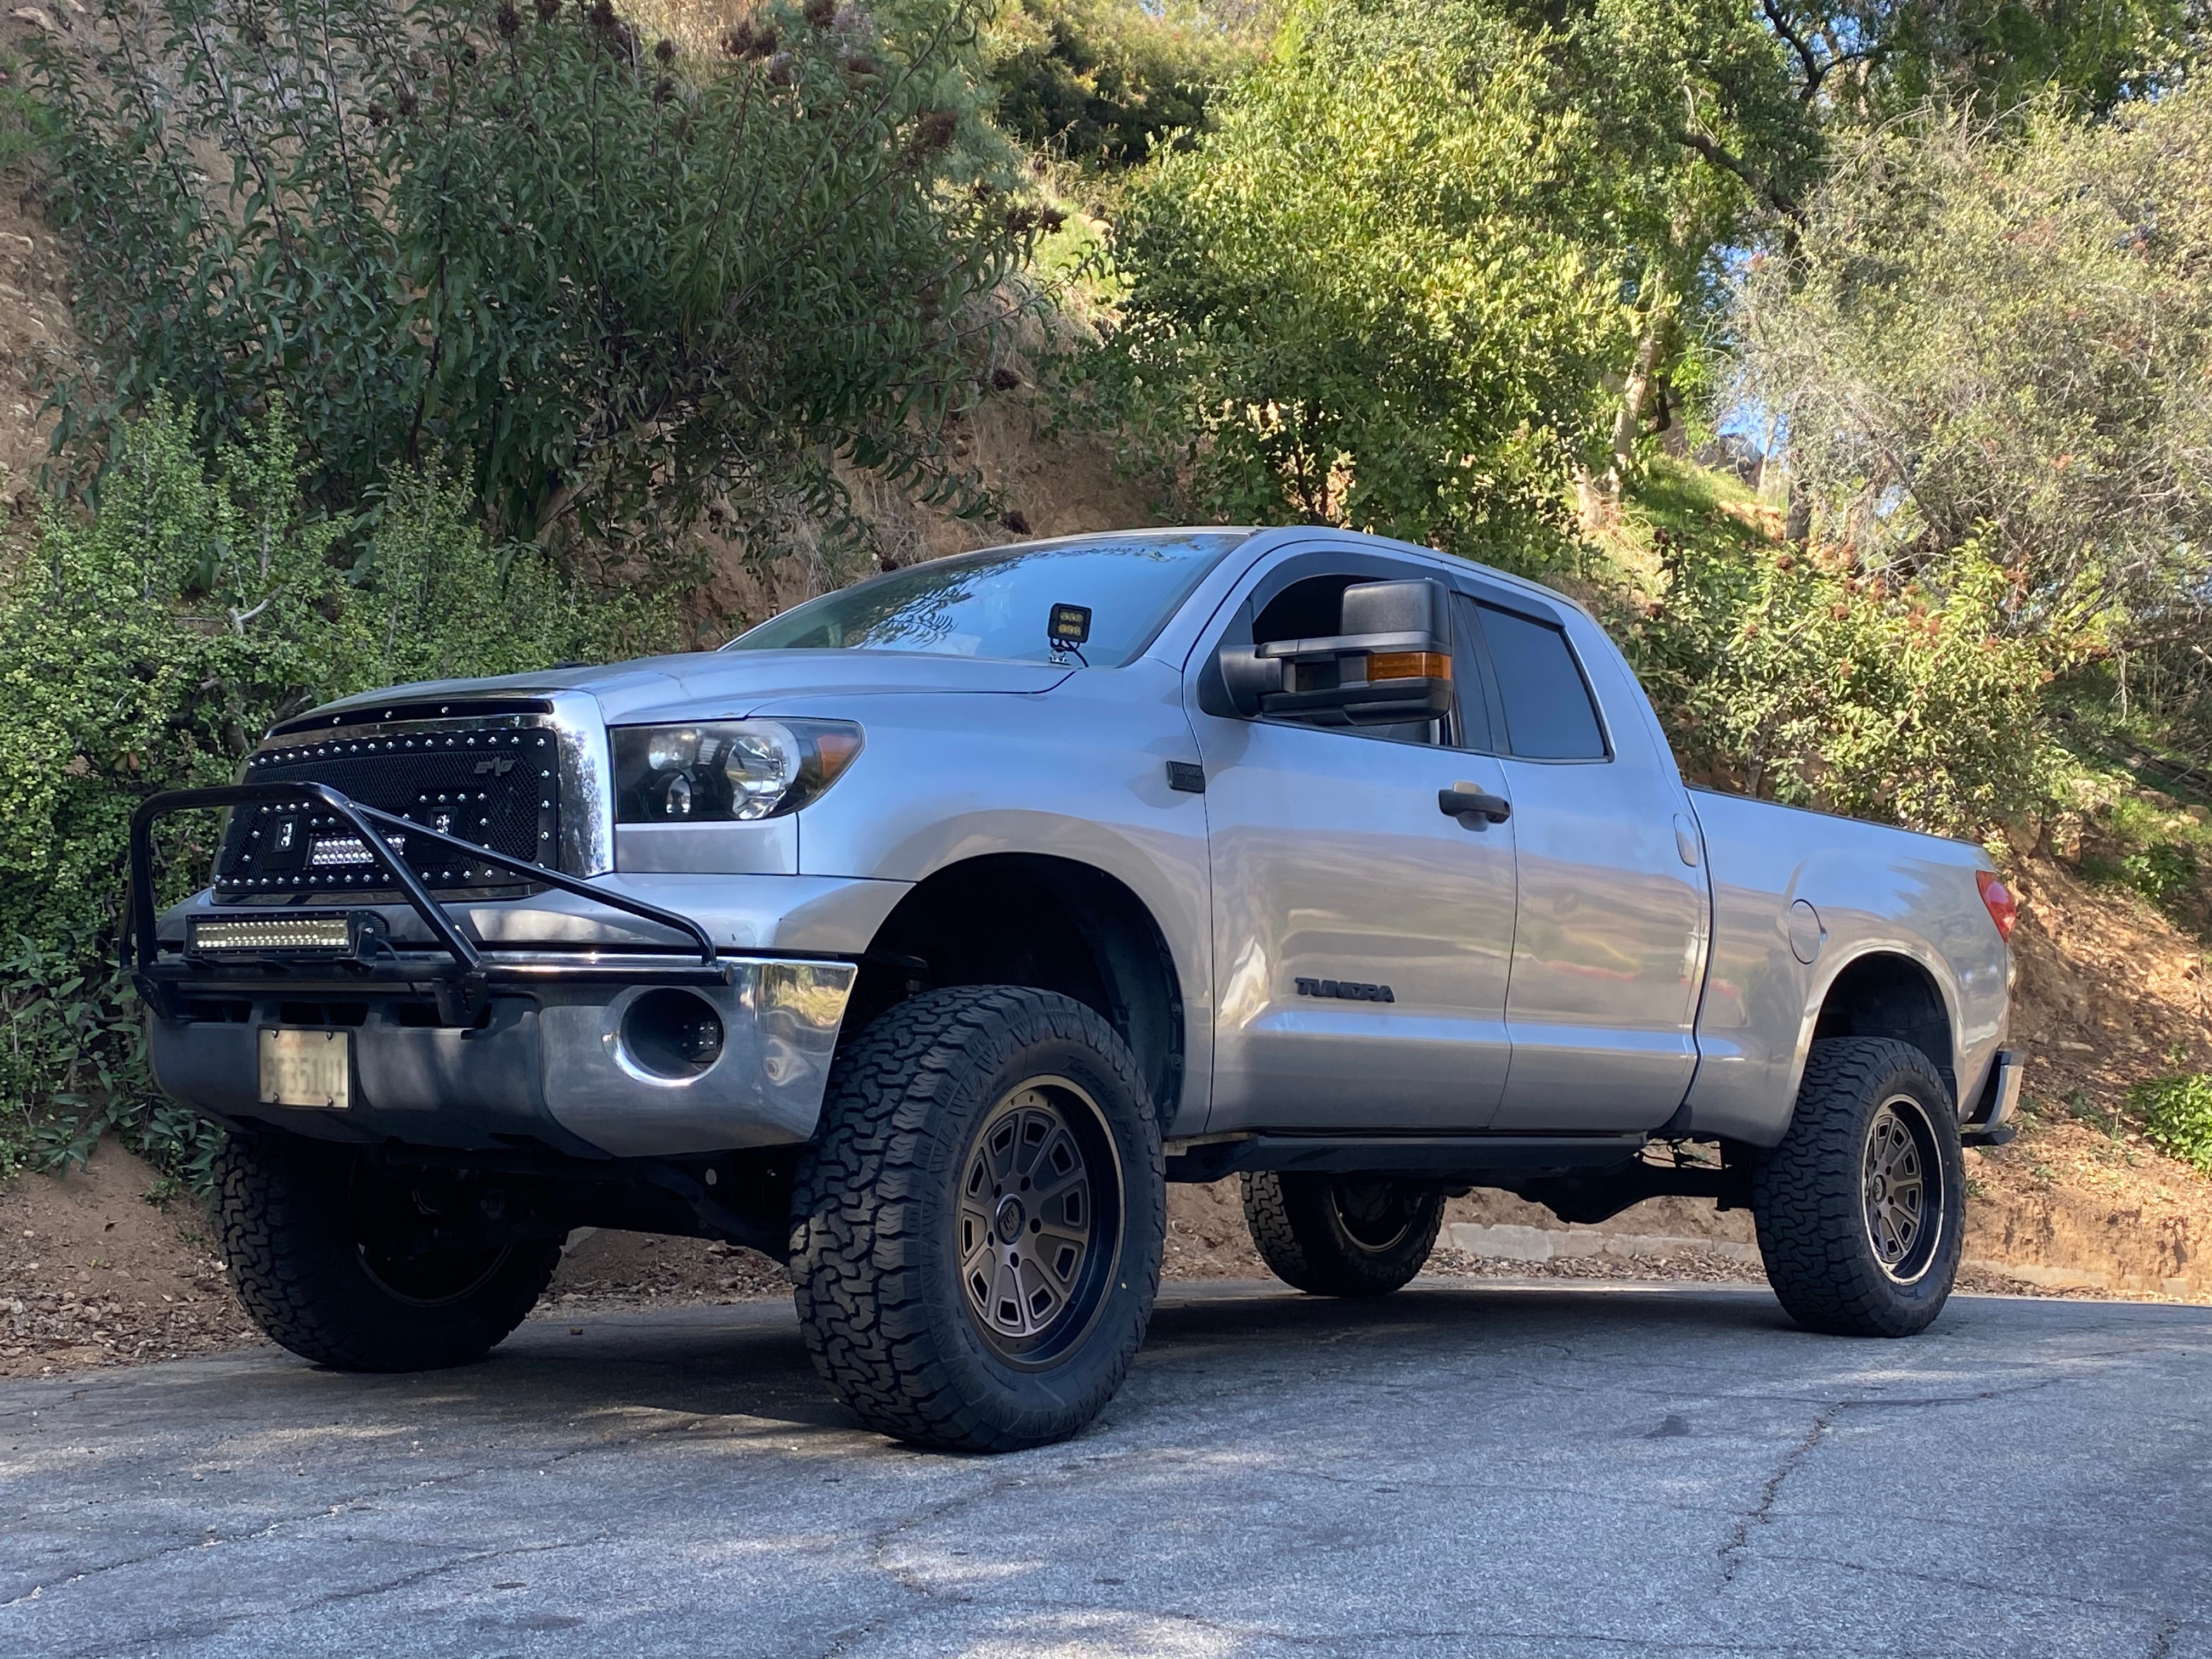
[{"x": 920, "y": 935}]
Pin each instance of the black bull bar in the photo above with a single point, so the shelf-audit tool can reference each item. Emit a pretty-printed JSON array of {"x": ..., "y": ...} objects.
[{"x": 139, "y": 948}]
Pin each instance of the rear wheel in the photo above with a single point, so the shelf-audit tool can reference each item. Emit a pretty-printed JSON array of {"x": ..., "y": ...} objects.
[
  {"x": 1861, "y": 1210},
  {"x": 976, "y": 1232},
  {"x": 321, "y": 1248},
  {"x": 1341, "y": 1236}
]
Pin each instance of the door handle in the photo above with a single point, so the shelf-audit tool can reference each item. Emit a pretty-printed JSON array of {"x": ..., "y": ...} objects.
[{"x": 1474, "y": 804}]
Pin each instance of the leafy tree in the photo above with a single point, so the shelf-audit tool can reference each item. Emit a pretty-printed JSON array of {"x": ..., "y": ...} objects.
[
  {"x": 1702, "y": 142},
  {"x": 1870, "y": 60},
  {"x": 1103, "y": 81},
  {"x": 1987, "y": 354},
  {"x": 2002, "y": 344},
  {"x": 618, "y": 288},
  {"x": 1389, "y": 287}
]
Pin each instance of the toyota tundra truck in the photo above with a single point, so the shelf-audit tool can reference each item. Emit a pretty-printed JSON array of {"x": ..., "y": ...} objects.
[{"x": 920, "y": 935}]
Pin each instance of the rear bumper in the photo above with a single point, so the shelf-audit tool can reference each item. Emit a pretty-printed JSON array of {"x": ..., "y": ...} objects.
[
  {"x": 545, "y": 1059},
  {"x": 1992, "y": 1124}
]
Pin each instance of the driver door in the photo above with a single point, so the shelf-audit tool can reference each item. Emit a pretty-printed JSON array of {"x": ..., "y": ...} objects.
[{"x": 1361, "y": 936}]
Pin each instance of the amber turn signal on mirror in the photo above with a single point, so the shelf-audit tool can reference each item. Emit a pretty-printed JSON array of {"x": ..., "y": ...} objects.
[{"x": 1409, "y": 665}]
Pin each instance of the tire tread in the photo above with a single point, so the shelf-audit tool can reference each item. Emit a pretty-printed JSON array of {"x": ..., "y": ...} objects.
[
  {"x": 274, "y": 1205},
  {"x": 1807, "y": 1207},
  {"x": 858, "y": 1263},
  {"x": 1286, "y": 1215}
]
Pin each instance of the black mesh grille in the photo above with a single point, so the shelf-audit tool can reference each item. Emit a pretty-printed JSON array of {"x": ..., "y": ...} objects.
[{"x": 495, "y": 787}]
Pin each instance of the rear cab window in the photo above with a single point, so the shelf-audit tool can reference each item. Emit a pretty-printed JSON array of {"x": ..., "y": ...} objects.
[{"x": 1546, "y": 703}]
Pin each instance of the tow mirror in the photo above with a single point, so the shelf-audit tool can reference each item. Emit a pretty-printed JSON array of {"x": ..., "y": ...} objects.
[{"x": 1391, "y": 663}]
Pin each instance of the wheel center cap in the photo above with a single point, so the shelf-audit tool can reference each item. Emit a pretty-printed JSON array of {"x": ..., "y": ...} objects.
[{"x": 1010, "y": 1219}]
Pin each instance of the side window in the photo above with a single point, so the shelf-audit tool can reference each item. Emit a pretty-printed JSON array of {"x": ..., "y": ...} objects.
[
  {"x": 1308, "y": 609},
  {"x": 1313, "y": 608},
  {"x": 1549, "y": 712},
  {"x": 1476, "y": 724}
]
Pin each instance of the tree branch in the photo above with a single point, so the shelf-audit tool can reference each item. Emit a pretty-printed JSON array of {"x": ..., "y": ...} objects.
[
  {"x": 1815, "y": 71},
  {"x": 1759, "y": 186}
]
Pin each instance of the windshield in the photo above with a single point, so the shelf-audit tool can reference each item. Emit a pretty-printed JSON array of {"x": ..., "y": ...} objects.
[{"x": 999, "y": 603}]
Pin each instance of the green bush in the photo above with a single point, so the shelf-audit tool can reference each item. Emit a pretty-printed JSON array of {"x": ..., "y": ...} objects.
[
  {"x": 1798, "y": 675},
  {"x": 1103, "y": 81},
  {"x": 2127, "y": 841},
  {"x": 618, "y": 288},
  {"x": 2163, "y": 872},
  {"x": 2177, "y": 1113},
  {"x": 148, "y": 647}
]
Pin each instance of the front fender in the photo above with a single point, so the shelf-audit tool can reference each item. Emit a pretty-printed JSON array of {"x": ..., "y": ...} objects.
[{"x": 1079, "y": 772}]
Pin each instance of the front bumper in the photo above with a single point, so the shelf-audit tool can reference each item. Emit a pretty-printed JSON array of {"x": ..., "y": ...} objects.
[
  {"x": 469, "y": 1045},
  {"x": 542, "y": 1060}
]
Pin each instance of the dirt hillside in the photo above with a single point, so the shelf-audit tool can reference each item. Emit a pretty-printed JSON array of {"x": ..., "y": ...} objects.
[
  {"x": 34, "y": 322},
  {"x": 93, "y": 1272}
]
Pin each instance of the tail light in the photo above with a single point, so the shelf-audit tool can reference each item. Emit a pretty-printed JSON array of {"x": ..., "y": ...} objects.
[{"x": 2004, "y": 908}]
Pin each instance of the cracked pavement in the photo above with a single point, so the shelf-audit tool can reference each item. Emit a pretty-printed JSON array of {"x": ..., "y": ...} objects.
[{"x": 1466, "y": 1467}]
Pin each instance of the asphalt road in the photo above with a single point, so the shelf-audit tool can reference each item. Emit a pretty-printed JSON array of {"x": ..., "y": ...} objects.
[{"x": 1465, "y": 1468}]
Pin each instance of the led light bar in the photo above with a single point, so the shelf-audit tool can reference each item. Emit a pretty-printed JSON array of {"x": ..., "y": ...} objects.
[
  {"x": 345, "y": 850},
  {"x": 212, "y": 935}
]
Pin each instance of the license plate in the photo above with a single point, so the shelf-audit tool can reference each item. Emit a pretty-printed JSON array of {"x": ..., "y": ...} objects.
[{"x": 305, "y": 1068}]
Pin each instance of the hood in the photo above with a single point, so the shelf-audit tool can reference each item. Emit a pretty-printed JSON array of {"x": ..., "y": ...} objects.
[{"x": 726, "y": 684}]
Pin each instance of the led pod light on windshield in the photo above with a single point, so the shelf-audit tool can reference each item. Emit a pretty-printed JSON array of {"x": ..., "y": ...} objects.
[{"x": 727, "y": 771}]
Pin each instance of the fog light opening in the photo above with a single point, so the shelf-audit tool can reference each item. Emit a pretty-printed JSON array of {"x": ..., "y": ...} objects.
[{"x": 672, "y": 1034}]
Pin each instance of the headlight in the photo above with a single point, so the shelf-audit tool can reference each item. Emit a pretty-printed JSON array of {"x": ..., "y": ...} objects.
[{"x": 727, "y": 771}]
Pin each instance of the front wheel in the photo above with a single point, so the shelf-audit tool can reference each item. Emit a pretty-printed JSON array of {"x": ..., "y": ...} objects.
[
  {"x": 1341, "y": 1236},
  {"x": 1861, "y": 1208},
  {"x": 318, "y": 1243},
  {"x": 976, "y": 1231}
]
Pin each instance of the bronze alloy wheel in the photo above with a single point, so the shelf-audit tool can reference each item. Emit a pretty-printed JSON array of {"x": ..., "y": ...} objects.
[
  {"x": 432, "y": 1280},
  {"x": 1861, "y": 1207},
  {"x": 1375, "y": 1215},
  {"x": 1039, "y": 1217},
  {"x": 1900, "y": 1180}
]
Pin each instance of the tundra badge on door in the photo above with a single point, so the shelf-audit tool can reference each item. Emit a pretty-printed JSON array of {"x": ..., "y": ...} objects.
[{"x": 1345, "y": 990}]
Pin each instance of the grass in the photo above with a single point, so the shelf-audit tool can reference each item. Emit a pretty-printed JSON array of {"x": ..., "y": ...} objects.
[
  {"x": 1681, "y": 503},
  {"x": 2132, "y": 841},
  {"x": 19, "y": 134}
]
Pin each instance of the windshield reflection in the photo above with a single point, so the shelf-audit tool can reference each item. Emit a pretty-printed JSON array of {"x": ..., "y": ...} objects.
[{"x": 997, "y": 603}]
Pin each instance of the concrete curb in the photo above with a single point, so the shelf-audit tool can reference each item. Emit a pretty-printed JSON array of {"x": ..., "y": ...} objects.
[{"x": 1509, "y": 1242}]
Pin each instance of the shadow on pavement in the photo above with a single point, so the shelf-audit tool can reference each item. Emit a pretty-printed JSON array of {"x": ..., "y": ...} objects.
[{"x": 747, "y": 1360}]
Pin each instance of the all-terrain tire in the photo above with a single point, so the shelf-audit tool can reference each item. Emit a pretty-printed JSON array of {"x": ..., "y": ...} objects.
[
  {"x": 1825, "y": 1200},
  {"x": 290, "y": 1215},
  {"x": 885, "y": 1258},
  {"x": 1334, "y": 1235}
]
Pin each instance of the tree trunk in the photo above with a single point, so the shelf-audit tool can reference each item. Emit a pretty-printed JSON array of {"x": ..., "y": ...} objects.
[
  {"x": 1636, "y": 394},
  {"x": 1628, "y": 420}
]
